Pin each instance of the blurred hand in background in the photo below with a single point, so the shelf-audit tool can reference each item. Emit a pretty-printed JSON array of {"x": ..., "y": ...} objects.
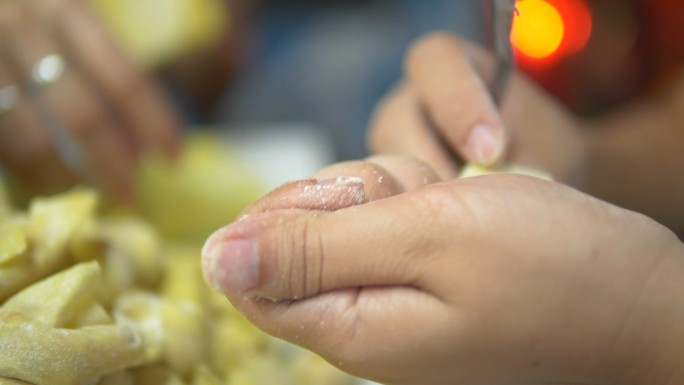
[
  {"x": 618, "y": 138},
  {"x": 80, "y": 99}
]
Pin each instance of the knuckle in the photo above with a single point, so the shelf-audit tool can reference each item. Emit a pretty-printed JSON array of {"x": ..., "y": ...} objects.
[
  {"x": 444, "y": 204},
  {"x": 379, "y": 183},
  {"x": 300, "y": 257}
]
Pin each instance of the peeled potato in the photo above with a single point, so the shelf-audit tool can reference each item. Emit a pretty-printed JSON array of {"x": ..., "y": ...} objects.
[
  {"x": 471, "y": 170},
  {"x": 5, "y": 206},
  {"x": 44, "y": 355},
  {"x": 186, "y": 26},
  {"x": 12, "y": 241},
  {"x": 60, "y": 299},
  {"x": 87, "y": 299},
  {"x": 207, "y": 187}
]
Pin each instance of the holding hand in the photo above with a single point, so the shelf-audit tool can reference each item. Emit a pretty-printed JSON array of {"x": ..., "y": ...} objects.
[
  {"x": 443, "y": 108},
  {"x": 397, "y": 277},
  {"x": 72, "y": 106}
]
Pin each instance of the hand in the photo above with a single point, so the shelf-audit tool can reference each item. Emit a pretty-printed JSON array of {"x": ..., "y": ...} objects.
[
  {"x": 445, "y": 95},
  {"x": 491, "y": 280},
  {"x": 104, "y": 109}
]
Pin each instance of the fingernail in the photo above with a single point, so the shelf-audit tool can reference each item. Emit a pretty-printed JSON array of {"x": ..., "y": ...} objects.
[
  {"x": 485, "y": 145},
  {"x": 231, "y": 266}
]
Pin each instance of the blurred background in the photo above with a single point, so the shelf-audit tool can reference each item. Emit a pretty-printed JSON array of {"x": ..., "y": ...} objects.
[
  {"x": 300, "y": 78},
  {"x": 326, "y": 64},
  {"x": 317, "y": 68}
]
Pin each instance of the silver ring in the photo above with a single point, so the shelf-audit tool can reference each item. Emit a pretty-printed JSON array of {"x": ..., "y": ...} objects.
[
  {"x": 48, "y": 70},
  {"x": 9, "y": 97}
]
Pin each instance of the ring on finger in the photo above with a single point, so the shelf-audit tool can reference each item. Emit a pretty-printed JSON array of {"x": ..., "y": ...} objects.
[{"x": 47, "y": 71}]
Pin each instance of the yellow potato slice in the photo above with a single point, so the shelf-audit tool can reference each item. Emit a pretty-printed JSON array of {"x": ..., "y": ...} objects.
[
  {"x": 59, "y": 299},
  {"x": 471, "y": 170},
  {"x": 62, "y": 268},
  {"x": 138, "y": 243},
  {"x": 184, "y": 318},
  {"x": 157, "y": 375},
  {"x": 124, "y": 377},
  {"x": 5, "y": 206},
  {"x": 310, "y": 368},
  {"x": 12, "y": 241},
  {"x": 142, "y": 311},
  {"x": 43, "y": 355},
  {"x": 11, "y": 381},
  {"x": 204, "y": 376},
  {"x": 54, "y": 221}
]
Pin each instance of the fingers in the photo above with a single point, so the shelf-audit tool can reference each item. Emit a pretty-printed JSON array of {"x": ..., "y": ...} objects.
[
  {"x": 27, "y": 152},
  {"x": 341, "y": 283},
  {"x": 25, "y": 148},
  {"x": 93, "y": 119},
  {"x": 295, "y": 254},
  {"x": 378, "y": 178},
  {"x": 451, "y": 80},
  {"x": 143, "y": 109},
  {"x": 400, "y": 126},
  {"x": 349, "y": 184},
  {"x": 73, "y": 116}
]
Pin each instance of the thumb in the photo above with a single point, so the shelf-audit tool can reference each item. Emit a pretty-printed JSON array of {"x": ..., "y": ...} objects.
[
  {"x": 297, "y": 254},
  {"x": 350, "y": 285}
]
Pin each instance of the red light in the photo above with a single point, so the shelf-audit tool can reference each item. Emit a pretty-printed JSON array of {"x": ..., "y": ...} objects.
[{"x": 547, "y": 30}]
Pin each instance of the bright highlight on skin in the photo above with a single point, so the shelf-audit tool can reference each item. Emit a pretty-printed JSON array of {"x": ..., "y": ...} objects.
[
  {"x": 48, "y": 70},
  {"x": 538, "y": 29}
]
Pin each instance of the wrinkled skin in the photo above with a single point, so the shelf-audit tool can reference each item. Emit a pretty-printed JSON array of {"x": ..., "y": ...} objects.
[{"x": 394, "y": 275}]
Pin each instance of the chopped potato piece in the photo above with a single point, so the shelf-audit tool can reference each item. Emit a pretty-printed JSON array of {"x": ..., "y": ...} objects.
[
  {"x": 44, "y": 355},
  {"x": 12, "y": 241},
  {"x": 123, "y": 377},
  {"x": 183, "y": 316},
  {"x": 157, "y": 375},
  {"x": 17, "y": 275},
  {"x": 142, "y": 311},
  {"x": 138, "y": 243},
  {"x": 87, "y": 299},
  {"x": 59, "y": 299},
  {"x": 205, "y": 188},
  {"x": 11, "y": 381},
  {"x": 471, "y": 170},
  {"x": 310, "y": 368},
  {"x": 204, "y": 376},
  {"x": 5, "y": 206},
  {"x": 54, "y": 221}
]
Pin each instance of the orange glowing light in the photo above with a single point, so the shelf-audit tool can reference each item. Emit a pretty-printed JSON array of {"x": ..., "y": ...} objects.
[
  {"x": 538, "y": 29},
  {"x": 578, "y": 24},
  {"x": 545, "y": 31}
]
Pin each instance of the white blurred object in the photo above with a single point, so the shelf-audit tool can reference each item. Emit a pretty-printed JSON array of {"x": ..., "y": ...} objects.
[{"x": 281, "y": 153}]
